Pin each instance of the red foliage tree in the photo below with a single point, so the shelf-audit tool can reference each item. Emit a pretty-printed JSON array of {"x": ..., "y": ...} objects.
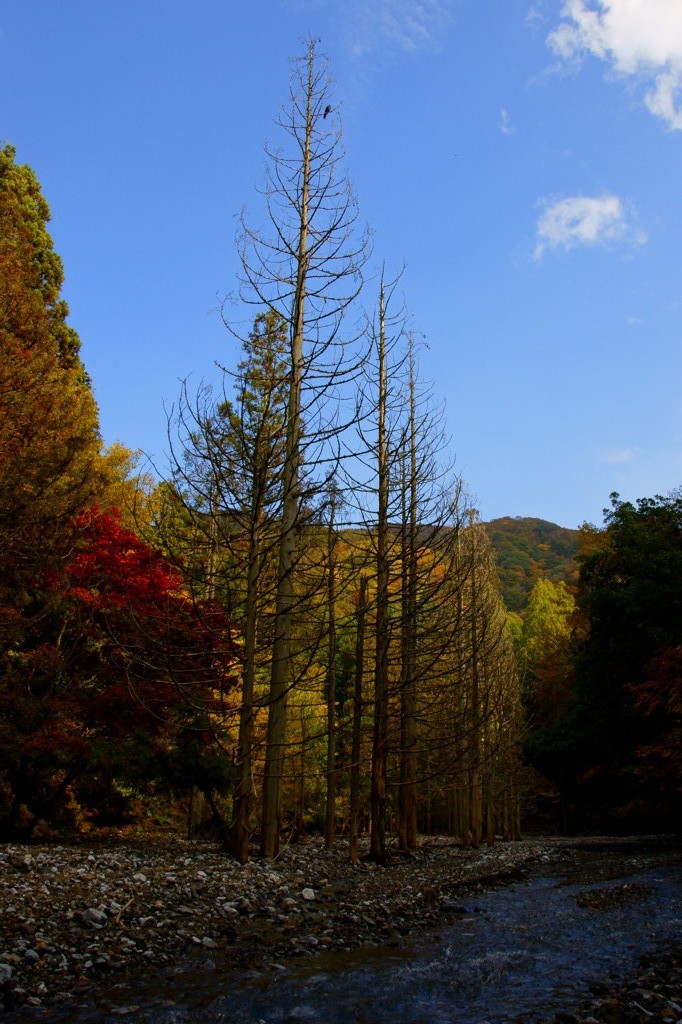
[{"x": 116, "y": 662}]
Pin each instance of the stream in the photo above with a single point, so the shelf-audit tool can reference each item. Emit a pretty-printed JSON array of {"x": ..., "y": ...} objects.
[{"x": 518, "y": 953}]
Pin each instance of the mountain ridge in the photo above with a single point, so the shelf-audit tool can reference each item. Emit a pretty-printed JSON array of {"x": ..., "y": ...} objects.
[{"x": 527, "y": 548}]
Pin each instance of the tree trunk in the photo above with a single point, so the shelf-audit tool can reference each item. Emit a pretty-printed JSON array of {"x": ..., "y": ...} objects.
[
  {"x": 407, "y": 797},
  {"x": 490, "y": 802},
  {"x": 330, "y": 808},
  {"x": 475, "y": 739},
  {"x": 357, "y": 726},
  {"x": 280, "y": 672},
  {"x": 238, "y": 842},
  {"x": 380, "y": 734}
]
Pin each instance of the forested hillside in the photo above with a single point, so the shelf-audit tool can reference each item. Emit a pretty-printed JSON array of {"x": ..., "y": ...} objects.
[{"x": 527, "y": 549}]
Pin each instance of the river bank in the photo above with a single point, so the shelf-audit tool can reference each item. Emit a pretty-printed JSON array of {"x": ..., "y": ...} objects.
[{"x": 77, "y": 920}]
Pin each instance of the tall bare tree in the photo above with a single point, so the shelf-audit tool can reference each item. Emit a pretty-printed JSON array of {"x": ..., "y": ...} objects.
[
  {"x": 408, "y": 503},
  {"x": 381, "y": 676},
  {"x": 376, "y": 503},
  {"x": 407, "y": 802},
  {"x": 306, "y": 264}
]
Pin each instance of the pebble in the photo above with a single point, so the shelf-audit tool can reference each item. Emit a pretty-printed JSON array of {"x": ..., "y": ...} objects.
[
  {"x": 300, "y": 1013},
  {"x": 95, "y": 918}
]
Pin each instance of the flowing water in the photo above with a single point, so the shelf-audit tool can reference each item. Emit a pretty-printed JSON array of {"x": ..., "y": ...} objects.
[{"x": 522, "y": 952}]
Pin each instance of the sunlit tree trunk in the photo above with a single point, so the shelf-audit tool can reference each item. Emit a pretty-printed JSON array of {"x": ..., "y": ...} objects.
[
  {"x": 241, "y": 805},
  {"x": 330, "y": 808},
  {"x": 476, "y": 783},
  {"x": 280, "y": 671},
  {"x": 407, "y": 804},
  {"x": 489, "y": 787},
  {"x": 356, "y": 740},
  {"x": 381, "y": 676}
]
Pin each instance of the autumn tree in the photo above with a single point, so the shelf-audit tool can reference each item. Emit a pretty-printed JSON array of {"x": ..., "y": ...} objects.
[
  {"x": 129, "y": 487},
  {"x": 123, "y": 660},
  {"x": 546, "y": 651},
  {"x": 91, "y": 620},
  {"x": 49, "y": 441}
]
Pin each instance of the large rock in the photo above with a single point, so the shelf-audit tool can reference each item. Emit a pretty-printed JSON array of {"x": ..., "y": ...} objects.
[{"x": 94, "y": 918}]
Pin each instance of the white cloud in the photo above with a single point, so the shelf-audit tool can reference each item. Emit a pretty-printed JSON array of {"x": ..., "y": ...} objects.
[
  {"x": 635, "y": 37},
  {"x": 506, "y": 127},
  {"x": 583, "y": 220}
]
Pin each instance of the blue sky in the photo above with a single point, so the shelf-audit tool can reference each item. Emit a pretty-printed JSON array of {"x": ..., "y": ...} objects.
[{"x": 522, "y": 157}]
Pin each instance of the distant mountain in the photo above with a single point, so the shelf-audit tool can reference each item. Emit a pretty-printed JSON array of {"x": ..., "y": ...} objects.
[{"x": 526, "y": 549}]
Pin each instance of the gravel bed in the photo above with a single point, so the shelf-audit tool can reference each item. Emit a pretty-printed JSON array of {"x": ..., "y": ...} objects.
[
  {"x": 73, "y": 915},
  {"x": 74, "y": 918}
]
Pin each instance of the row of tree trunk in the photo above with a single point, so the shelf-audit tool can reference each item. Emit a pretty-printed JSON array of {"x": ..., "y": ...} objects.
[{"x": 334, "y": 444}]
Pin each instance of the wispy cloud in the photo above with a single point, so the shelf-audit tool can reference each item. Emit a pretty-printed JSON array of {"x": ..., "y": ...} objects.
[
  {"x": 506, "y": 127},
  {"x": 641, "y": 38},
  {"x": 399, "y": 25},
  {"x": 583, "y": 221},
  {"x": 537, "y": 14},
  {"x": 533, "y": 16},
  {"x": 617, "y": 456}
]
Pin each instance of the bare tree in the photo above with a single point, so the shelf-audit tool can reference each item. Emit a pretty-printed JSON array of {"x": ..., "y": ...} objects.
[
  {"x": 434, "y": 620},
  {"x": 407, "y": 803},
  {"x": 306, "y": 264},
  {"x": 371, "y": 476}
]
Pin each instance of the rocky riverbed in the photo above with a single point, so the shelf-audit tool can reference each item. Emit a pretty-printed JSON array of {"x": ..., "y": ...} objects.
[{"x": 78, "y": 919}]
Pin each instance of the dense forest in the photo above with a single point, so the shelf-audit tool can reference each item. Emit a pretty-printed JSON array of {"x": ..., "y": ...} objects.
[
  {"x": 527, "y": 550},
  {"x": 301, "y": 624}
]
